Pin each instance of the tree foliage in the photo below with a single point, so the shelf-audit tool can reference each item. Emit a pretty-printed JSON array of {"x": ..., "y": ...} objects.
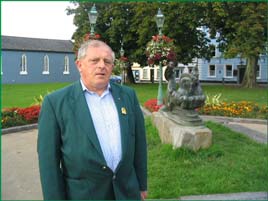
[
  {"x": 133, "y": 23},
  {"x": 241, "y": 28}
]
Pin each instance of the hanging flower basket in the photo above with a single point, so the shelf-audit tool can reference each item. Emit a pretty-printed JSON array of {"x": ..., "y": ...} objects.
[{"x": 160, "y": 49}]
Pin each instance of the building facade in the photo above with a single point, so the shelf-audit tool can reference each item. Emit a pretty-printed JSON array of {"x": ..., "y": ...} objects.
[
  {"x": 34, "y": 60},
  {"x": 217, "y": 69}
]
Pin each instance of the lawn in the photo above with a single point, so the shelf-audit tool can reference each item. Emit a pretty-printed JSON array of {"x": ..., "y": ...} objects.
[
  {"x": 234, "y": 163},
  {"x": 22, "y": 95}
]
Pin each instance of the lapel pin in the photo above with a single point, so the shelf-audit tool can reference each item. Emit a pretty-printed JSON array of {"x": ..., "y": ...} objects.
[{"x": 123, "y": 110}]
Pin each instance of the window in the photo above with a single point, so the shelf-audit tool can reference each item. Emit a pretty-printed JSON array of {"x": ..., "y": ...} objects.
[
  {"x": 212, "y": 71},
  {"x": 46, "y": 65},
  {"x": 228, "y": 71},
  {"x": 1, "y": 66},
  {"x": 23, "y": 65},
  {"x": 213, "y": 50},
  {"x": 258, "y": 74},
  {"x": 145, "y": 74},
  {"x": 66, "y": 66}
]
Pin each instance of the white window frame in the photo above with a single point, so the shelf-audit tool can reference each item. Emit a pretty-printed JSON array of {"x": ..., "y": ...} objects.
[
  {"x": 66, "y": 65},
  {"x": 209, "y": 75},
  {"x": 46, "y": 65},
  {"x": 225, "y": 71},
  {"x": 23, "y": 70},
  {"x": 145, "y": 74}
]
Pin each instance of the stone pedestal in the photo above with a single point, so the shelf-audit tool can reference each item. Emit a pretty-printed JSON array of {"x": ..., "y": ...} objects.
[{"x": 193, "y": 137}]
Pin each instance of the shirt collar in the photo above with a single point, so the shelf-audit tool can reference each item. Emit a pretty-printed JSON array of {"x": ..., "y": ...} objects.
[{"x": 84, "y": 88}]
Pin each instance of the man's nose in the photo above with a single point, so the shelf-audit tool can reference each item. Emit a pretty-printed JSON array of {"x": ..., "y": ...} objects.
[{"x": 101, "y": 63}]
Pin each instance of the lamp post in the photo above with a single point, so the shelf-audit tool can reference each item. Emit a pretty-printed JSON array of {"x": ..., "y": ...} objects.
[
  {"x": 92, "y": 15},
  {"x": 122, "y": 52},
  {"x": 160, "y": 18}
]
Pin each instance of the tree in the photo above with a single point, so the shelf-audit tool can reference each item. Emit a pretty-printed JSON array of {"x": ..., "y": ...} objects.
[
  {"x": 242, "y": 28},
  {"x": 133, "y": 23}
]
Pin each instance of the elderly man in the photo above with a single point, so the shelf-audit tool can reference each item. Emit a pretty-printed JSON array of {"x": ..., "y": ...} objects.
[{"x": 91, "y": 139}]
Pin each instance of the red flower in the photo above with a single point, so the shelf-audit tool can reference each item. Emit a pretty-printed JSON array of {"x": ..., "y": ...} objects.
[
  {"x": 152, "y": 106},
  {"x": 29, "y": 113},
  {"x": 160, "y": 49}
]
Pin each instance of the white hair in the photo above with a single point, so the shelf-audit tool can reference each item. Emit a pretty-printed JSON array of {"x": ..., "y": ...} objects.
[{"x": 92, "y": 43}]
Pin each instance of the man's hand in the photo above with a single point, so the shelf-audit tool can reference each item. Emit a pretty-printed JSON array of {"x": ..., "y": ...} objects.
[{"x": 143, "y": 195}]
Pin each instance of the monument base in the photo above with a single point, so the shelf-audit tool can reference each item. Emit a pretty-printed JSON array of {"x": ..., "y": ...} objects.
[{"x": 193, "y": 137}]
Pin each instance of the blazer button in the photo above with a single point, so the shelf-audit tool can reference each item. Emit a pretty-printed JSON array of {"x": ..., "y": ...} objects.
[
  {"x": 104, "y": 167},
  {"x": 114, "y": 177}
]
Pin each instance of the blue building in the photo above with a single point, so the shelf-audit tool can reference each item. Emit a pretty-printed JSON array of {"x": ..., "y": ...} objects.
[
  {"x": 232, "y": 70},
  {"x": 34, "y": 60}
]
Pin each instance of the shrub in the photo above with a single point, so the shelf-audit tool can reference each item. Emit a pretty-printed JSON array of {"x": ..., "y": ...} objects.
[
  {"x": 19, "y": 116},
  {"x": 38, "y": 100},
  {"x": 242, "y": 109},
  {"x": 213, "y": 100}
]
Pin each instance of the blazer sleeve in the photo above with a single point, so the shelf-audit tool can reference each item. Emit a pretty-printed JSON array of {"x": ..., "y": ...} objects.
[
  {"x": 49, "y": 153},
  {"x": 140, "y": 161}
]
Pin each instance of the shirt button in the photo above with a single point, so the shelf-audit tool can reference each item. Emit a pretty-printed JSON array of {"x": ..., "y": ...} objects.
[
  {"x": 104, "y": 167},
  {"x": 114, "y": 177}
]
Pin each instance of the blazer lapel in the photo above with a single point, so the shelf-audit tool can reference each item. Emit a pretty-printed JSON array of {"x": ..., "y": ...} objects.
[
  {"x": 123, "y": 116},
  {"x": 83, "y": 117}
]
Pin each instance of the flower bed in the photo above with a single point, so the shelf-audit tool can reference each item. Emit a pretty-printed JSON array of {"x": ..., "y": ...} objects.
[
  {"x": 243, "y": 109},
  {"x": 152, "y": 106},
  {"x": 19, "y": 116}
]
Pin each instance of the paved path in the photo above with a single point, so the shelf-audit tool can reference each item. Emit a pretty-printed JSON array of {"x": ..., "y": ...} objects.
[
  {"x": 20, "y": 174},
  {"x": 253, "y": 128}
]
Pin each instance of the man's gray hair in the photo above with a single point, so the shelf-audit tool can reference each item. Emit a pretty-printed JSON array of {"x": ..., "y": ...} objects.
[{"x": 92, "y": 43}]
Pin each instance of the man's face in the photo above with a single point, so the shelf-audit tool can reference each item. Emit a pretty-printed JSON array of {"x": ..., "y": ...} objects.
[{"x": 96, "y": 67}]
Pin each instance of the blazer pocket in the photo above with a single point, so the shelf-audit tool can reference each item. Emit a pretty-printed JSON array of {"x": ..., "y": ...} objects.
[{"x": 133, "y": 187}]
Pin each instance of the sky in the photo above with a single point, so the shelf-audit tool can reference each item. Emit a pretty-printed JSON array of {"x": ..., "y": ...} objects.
[{"x": 37, "y": 19}]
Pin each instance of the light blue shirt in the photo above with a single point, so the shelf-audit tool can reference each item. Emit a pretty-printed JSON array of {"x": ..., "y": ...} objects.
[{"x": 106, "y": 121}]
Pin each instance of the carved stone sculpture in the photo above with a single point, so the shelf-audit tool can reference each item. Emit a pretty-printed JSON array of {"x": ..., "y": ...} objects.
[{"x": 182, "y": 102}]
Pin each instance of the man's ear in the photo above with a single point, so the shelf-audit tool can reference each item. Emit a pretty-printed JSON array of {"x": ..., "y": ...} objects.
[{"x": 78, "y": 65}]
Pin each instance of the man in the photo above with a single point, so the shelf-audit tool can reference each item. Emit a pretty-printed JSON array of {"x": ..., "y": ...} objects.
[{"x": 91, "y": 135}]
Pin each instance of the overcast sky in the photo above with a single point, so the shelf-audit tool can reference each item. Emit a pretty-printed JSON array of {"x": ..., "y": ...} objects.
[{"x": 37, "y": 19}]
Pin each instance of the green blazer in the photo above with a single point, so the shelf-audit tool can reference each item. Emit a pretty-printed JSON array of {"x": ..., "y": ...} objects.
[{"x": 71, "y": 162}]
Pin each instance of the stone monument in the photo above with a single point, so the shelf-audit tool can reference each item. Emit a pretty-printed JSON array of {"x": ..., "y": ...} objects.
[{"x": 178, "y": 123}]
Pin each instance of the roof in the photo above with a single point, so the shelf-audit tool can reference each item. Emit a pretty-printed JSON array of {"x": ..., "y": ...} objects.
[{"x": 36, "y": 44}]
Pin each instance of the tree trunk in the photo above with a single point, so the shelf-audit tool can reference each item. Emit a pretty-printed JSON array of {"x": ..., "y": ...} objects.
[{"x": 249, "y": 80}]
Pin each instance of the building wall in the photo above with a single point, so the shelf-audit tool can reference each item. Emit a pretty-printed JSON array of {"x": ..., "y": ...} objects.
[
  {"x": 11, "y": 67},
  {"x": 238, "y": 69}
]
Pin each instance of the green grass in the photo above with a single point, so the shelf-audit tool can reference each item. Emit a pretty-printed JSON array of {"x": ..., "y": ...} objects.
[
  {"x": 234, "y": 163},
  {"x": 229, "y": 93},
  {"x": 22, "y": 95}
]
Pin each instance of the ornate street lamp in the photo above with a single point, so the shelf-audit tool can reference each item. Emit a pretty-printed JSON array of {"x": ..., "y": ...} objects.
[
  {"x": 92, "y": 15},
  {"x": 160, "y": 18},
  {"x": 122, "y": 52}
]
